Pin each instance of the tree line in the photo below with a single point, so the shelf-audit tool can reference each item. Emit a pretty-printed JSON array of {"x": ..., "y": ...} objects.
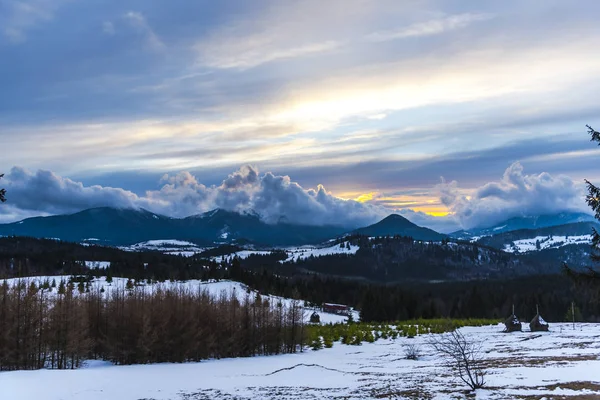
[
  {"x": 60, "y": 325},
  {"x": 405, "y": 299}
]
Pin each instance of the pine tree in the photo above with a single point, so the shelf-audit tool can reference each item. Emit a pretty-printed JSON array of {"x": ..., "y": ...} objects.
[
  {"x": 593, "y": 199},
  {"x": 2, "y": 192},
  {"x": 573, "y": 314},
  {"x": 61, "y": 287}
]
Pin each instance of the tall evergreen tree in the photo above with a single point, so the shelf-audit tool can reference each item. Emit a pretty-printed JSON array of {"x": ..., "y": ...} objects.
[
  {"x": 2, "y": 192},
  {"x": 593, "y": 199}
]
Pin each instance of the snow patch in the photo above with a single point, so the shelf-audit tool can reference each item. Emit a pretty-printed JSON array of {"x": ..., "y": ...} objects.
[{"x": 97, "y": 264}]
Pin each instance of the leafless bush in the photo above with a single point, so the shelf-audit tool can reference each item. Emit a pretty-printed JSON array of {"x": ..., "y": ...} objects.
[
  {"x": 463, "y": 355},
  {"x": 412, "y": 352}
]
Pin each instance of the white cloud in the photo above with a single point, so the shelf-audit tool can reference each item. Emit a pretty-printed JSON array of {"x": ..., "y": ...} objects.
[
  {"x": 273, "y": 197},
  {"x": 108, "y": 28},
  {"x": 19, "y": 17},
  {"x": 248, "y": 52},
  {"x": 429, "y": 28},
  {"x": 139, "y": 22},
  {"x": 516, "y": 194}
]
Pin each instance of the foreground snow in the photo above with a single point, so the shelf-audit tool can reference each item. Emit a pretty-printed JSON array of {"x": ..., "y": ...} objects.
[{"x": 562, "y": 363}]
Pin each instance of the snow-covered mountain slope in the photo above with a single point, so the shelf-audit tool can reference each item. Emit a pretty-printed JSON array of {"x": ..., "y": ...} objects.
[
  {"x": 545, "y": 242},
  {"x": 303, "y": 253},
  {"x": 171, "y": 246},
  {"x": 213, "y": 288},
  {"x": 562, "y": 363},
  {"x": 296, "y": 253}
]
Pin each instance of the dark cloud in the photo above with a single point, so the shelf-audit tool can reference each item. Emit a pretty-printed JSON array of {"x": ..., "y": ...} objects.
[{"x": 47, "y": 192}]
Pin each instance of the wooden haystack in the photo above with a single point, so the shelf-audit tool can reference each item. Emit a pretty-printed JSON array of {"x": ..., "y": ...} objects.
[
  {"x": 512, "y": 323},
  {"x": 315, "y": 318},
  {"x": 538, "y": 324}
]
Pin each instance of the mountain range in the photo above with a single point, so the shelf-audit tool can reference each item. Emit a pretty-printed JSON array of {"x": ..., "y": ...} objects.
[
  {"x": 523, "y": 222},
  {"x": 112, "y": 226},
  {"x": 122, "y": 227},
  {"x": 415, "y": 252}
]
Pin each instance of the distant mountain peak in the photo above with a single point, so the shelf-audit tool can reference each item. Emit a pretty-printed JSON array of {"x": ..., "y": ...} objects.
[{"x": 395, "y": 224}]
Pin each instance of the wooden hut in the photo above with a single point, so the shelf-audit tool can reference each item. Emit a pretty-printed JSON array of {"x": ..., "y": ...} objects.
[
  {"x": 538, "y": 324},
  {"x": 339, "y": 309},
  {"x": 512, "y": 323},
  {"x": 315, "y": 318}
]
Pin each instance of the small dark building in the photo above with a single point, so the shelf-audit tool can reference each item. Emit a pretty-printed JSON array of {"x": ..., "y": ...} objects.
[
  {"x": 315, "y": 318},
  {"x": 339, "y": 309},
  {"x": 538, "y": 324}
]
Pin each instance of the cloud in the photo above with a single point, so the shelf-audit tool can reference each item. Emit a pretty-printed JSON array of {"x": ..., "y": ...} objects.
[
  {"x": 516, "y": 194},
  {"x": 275, "y": 198},
  {"x": 438, "y": 224},
  {"x": 428, "y": 28},
  {"x": 18, "y": 17},
  {"x": 247, "y": 53},
  {"x": 140, "y": 24},
  {"x": 108, "y": 28},
  {"x": 278, "y": 198},
  {"x": 46, "y": 192}
]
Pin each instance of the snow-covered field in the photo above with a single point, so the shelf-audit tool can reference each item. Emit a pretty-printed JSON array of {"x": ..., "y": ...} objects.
[
  {"x": 187, "y": 249},
  {"x": 546, "y": 242},
  {"x": 307, "y": 251},
  {"x": 560, "y": 364},
  {"x": 213, "y": 288},
  {"x": 172, "y": 246},
  {"x": 297, "y": 253}
]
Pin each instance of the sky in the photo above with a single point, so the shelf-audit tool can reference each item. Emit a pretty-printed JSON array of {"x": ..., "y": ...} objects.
[{"x": 454, "y": 114}]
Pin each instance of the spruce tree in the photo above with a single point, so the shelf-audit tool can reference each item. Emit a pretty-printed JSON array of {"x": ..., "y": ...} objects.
[
  {"x": 2, "y": 192},
  {"x": 593, "y": 199}
]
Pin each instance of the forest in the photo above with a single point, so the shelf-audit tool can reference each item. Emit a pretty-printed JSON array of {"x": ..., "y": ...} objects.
[
  {"x": 58, "y": 325},
  {"x": 378, "y": 301}
]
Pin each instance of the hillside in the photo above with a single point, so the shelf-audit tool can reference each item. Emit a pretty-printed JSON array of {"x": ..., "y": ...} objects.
[
  {"x": 524, "y": 240},
  {"x": 400, "y": 259},
  {"x": 524, "y": 222}
]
